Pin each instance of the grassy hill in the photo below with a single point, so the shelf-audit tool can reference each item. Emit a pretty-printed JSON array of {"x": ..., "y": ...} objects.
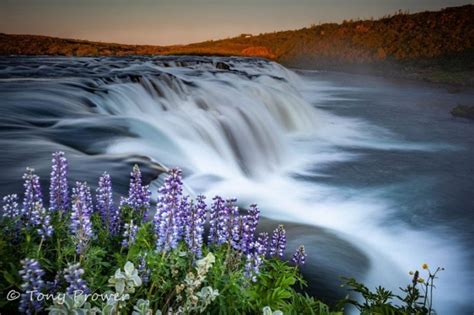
[{"x": 435, "y": 46}]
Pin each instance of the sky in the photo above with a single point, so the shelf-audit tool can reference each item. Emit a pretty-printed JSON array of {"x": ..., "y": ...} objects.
[{"x": 167, "y": 22}]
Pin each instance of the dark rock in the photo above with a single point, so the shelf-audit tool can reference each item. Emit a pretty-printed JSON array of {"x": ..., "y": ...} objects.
[{"x": 222, "y": 66}]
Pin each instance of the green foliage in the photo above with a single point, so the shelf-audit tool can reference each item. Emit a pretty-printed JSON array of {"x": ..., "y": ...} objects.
[
  {"x": 417, "y": 299},
  {"x": 177, "y": 280}
]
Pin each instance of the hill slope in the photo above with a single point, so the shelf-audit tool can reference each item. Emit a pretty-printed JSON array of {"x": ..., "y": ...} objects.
[{"x": 436, "y": 46}]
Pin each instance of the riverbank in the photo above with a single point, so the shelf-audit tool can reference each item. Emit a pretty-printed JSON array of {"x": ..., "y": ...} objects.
[{"x": 429, "y": 46}]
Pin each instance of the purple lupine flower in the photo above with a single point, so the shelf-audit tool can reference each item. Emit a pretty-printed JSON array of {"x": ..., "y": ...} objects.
[
  {"x": 42, "y": 220},
  {"x": 254, "y": 259},
  {"x": 129, "y": 234},
  {"x": 278, "y": 244},
  {"x": 216, "y": 208},
  {"x": 249, "y": 226},
  {"x": 73, "y": 276},
  {"x": 181, "y": 216},
  {"x": 238, "y": 226},
  {"x": 167, "y": 213},
  {"x": 58, "y": 189},
  {"x": 10, "y": 206},
  {"x": 143, "y": 271},
  {"x": 253, "y": 218},
  {"x": 194, "y": 227},
  {"x": 261, "y": 246},
  {"x": 233, "y": 223},
  {"x": 299, "y": 257},
  {"x": 108, "y": 212},
  {"x": 33, "y": 195},
  {"x": 81, "y": 226},
  {"x": 227, "y": 217},
  {"x": 32, "y": 286},
  {"x": 138, "y": 195}
]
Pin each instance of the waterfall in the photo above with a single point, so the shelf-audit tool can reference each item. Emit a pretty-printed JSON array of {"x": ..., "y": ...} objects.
[{"x": 238, "y": 127}]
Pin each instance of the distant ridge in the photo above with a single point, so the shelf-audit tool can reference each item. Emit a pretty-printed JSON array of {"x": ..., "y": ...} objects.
[{"x": 435, "y": 46}]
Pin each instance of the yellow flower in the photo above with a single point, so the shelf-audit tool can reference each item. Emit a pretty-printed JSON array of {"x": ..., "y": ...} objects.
[
  {"x": 411, "y": 273},
  {"x": 420, "y": 280},
  {"x": 425, "y": 266}
]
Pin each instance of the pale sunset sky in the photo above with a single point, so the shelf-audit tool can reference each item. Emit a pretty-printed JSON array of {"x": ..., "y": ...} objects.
[{"x": 165, "y": 22}]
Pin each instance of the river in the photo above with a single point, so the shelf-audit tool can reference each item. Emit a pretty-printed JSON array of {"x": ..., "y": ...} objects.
[{"x": 373, "y": 175}]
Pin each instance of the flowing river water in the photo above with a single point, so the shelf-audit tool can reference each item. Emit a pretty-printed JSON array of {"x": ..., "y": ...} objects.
[{"x": 374, "y": 176}]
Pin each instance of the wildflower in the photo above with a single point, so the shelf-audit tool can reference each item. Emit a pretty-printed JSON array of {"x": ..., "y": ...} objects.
[
  {"x": 278, "y": 244},
  {"x": 194, "y": 229},
  {"x": 238, "y": 225},
  {"x": 168, "y": 213},
  {"x": 425, "y": 266},
  {"x": 129, "y": 234},
  {"x": 299, "y": 257},
  {"x": 227, "y": 216},
  {"x": 254, "y": 259},
  {"x": 143, "y": 271},
  {"x": 138, "y": 195},
  {"x": 421, "y": 280},
  {"x": 43, "y": 221},
  {"x": 81, "y": 226},
  {"x": 261, "y": 246},
  {"x": 33, "y": 195},
  {"x": 180, "y": 216},
  {"x": 108, "y": 212},
  {"x": 10, "y": 206},
  {"x": 32, "y": 276},
  {"x": 416, "y": 275},
  {"x": 249, "y": 226},
  {"x": 216, "y": 208},
  {"x": 58, "y": 189},
  {"x": 73, "y": 276},
  {"x": 254, "y": 217}
]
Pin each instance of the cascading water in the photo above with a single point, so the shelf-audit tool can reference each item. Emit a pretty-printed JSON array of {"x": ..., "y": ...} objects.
[{"x": 238, "y": 127}]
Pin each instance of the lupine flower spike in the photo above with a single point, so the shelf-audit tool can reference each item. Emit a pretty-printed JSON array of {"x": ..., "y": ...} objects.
[
  {"x": 278, "y": 244},
  {"x": 73, "y": 276},
  {"x": 10, "y": 207},
  {"x": 129, "y": 234},
  {"x": 216, "y": 208},
  {"x": 81, "y": 226},
  {"x": 299, "y": 257},
  {"x": 108, "y": 212},
  {"x": 138, "y": 195},
  {"x": 43, "y": 220},
  {"x": 58, "y": 189},
  {"x": 33, "y": 285},
  {"x": 33, "y": 196},
  {"x": 194, "y": 229},
  {"x": 169, "y": 203},
  {"x": 249, "y": 226},
  {"x": 255, "y": 258}
]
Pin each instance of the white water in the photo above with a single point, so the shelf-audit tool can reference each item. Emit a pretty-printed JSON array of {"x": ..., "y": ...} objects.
[
  {"x": 252, "y": 133},
  {"x": 245, "y": 137}
]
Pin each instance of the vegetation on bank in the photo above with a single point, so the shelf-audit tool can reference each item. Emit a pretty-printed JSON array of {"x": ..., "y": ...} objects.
[
  {"x": 435, "y": 46},
  {"x": 85, "y": 255}
]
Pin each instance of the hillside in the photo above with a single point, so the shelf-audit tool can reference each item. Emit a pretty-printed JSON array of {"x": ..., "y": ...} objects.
[{"x": 435, "y": 46}]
